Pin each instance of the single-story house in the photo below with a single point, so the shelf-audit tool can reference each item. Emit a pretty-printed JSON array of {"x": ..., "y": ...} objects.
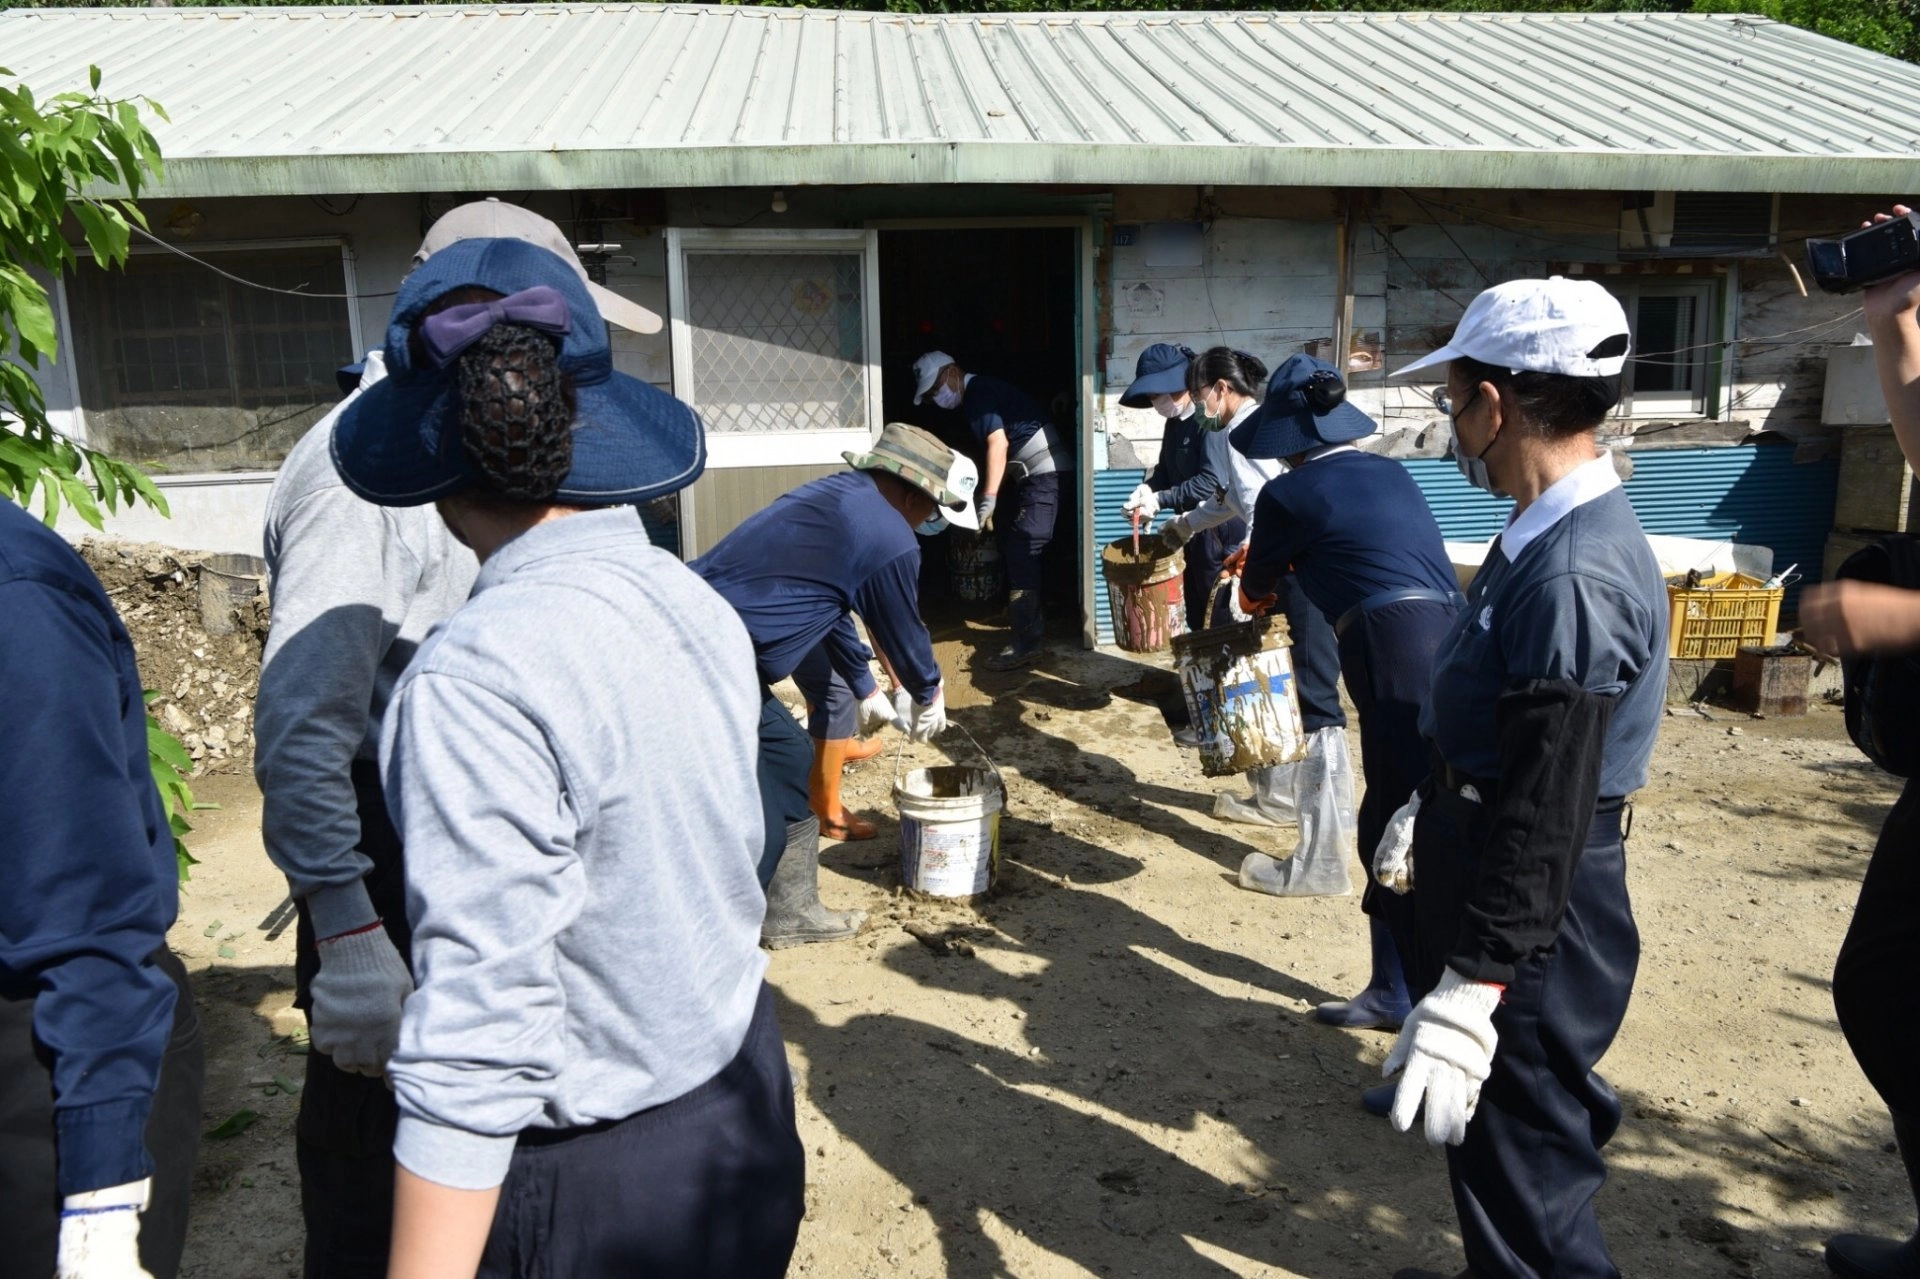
[{"x": 813, "y": 198}]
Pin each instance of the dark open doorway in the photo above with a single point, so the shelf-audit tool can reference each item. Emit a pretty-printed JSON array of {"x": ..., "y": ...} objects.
[{"x": 999, "y": 300}]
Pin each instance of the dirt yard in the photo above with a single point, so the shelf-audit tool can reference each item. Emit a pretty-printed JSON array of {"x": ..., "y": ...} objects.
[{"x": 1117, "y": 1073}]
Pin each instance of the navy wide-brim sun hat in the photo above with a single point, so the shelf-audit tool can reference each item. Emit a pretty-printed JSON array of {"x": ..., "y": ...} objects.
[
  {"x": 398, "y": 443},
  {"x": 1286, "y": 422},
  {"x": 1161, "y": 370}
]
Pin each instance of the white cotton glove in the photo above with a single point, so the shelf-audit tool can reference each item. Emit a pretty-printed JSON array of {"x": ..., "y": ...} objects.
[
  {"x": 1393, "y": 858},
  {"x": 924, "y": 720},
  {"x": 100, "y": 1233},
  {"x": 1447, "y": 1048},
  {"x": 877, "y": 712},
  {"x": 1175, "y": 533},
  {"x": 1144, "y": 501},
  {"x": 357, "y": 997}
]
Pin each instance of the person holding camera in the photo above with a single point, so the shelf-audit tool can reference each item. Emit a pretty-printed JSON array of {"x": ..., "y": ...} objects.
[{"x": 1876, "y": 978}]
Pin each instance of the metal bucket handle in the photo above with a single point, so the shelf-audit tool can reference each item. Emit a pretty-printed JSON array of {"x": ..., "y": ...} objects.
[{"x": 900, "y": 756}]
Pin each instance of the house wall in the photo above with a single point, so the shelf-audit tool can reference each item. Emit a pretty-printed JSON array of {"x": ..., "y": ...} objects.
[{"x": 1268, "y": 284}]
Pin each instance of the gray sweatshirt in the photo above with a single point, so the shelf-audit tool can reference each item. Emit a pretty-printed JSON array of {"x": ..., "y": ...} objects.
[
  {"x": 356, "y": 587},
  {"x": 570, "y": 761}
]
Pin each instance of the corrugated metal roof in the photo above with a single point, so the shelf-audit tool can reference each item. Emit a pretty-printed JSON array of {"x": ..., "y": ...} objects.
[{"x": 518, "y": 97}]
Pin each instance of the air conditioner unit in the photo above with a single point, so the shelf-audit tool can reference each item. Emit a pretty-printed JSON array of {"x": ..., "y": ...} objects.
[{"x": 1697, "y": 224}]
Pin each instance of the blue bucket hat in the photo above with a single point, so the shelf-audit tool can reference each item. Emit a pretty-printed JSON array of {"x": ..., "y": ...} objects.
[
  {"x": 1161, "y": 370},
  {"x": 398, "y": 444},
  {"x": 1306, "y": 407}
]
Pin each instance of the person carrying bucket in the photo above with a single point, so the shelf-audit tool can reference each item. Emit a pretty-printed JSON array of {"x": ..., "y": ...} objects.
[
  {"x": 795, "y": 573},
  {"x": 1355, "y": 532},
  {"x": 1227, "y": 384},
  {"x": 1548, "y": 693},
  {"x": 590, "y": 1065},
  {"x": 1021, "y": 448},
  {"x": 1183, "y": 479}
]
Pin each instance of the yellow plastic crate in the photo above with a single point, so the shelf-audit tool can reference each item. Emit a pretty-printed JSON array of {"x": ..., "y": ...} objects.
[{"x": 1721, "y": 616}]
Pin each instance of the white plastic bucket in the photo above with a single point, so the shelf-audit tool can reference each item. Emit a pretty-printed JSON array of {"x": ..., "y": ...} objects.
[
  {"x": 1238, "y": 685},
  {"x": 950, "y": 829}
]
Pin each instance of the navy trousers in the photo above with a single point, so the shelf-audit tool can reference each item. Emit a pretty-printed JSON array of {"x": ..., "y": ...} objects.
[
  {"x": 343, "y": 1137},
  {"x": 1525, "y": 1177},
  {"x": 711, "y": 1185},
  {"x": 1316, "y": 658},
  {"x": 835, "y": 714},
  {"x": 1206, "y": 551},
  {"x": 1386, "y": 657},
  {"x": 1876, "y": 980},
  {"x": 29, "y": 1202},
  {"x": 1034, "y": 507},
  {"x": 786, "y": 757}
]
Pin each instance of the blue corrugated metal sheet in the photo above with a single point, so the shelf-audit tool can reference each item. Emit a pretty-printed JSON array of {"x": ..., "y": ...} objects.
[
  {"x": 1755, "y": 494},
  {"x": 1110, "y": 489}
]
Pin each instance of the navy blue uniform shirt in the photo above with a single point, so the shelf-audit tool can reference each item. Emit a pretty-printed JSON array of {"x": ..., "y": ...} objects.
[
  {"x": 796, "y": 569},
  {"x": 91, "y": 880},
  {"x": 990, "y": 405},
  {"x": 1183, "y": 477},
  {"x": 1351, "y": 525},
  {"x": 1581, "y": 599}
]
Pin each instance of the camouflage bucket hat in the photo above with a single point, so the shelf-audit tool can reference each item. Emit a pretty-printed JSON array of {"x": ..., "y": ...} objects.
[{"x": 918, "y": 457}]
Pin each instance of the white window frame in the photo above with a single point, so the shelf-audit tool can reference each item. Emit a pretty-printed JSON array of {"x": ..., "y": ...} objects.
[
  {"x": 75, "y": 425},
  {"x": 1707, "y": 314},
  {"x": 776, "y": 448}
]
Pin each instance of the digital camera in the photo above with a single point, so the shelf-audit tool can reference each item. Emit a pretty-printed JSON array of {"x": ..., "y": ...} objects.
[{"x": 1844, "y": 263}]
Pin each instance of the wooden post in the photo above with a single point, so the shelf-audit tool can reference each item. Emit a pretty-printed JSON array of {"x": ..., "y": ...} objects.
[{"x": 1343, "y": 294}]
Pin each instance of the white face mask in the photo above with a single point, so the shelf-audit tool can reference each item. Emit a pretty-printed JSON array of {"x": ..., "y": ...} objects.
[
  {"x": 1170, "y": 406},
  {"x": 947, "y": 398},
  {"x": 1473, "y": 469}
]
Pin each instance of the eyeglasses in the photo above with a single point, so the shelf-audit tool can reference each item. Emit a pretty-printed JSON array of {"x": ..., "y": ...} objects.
[{"x": 1444, "y": 402}]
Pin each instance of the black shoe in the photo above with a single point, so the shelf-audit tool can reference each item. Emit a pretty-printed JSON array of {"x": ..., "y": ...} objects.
[{"x": 1865, "y": 1257}]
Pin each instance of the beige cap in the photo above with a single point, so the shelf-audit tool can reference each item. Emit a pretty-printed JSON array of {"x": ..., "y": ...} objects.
[
  {"x": 921, "y": 459},
  {"x": 492, "y": 219}
]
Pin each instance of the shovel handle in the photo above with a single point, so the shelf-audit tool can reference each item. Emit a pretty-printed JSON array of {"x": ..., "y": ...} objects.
[{"x": 1136, "y": 532}]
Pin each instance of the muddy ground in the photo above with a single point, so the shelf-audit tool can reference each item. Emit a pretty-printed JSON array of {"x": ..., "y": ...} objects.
[{"x": 1117, "y": 1074}]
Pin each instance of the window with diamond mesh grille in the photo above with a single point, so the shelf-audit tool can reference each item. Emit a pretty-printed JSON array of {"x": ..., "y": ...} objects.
[
  {"x": 182, "y": 370},
  {"x": 777, "y": 341}
]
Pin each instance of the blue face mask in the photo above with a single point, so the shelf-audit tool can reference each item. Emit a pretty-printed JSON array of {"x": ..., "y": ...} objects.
[{"x": 933, "y": 527}]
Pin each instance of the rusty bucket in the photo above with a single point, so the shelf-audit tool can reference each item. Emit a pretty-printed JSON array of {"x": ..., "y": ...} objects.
[{"x": 1145, "y": 595}]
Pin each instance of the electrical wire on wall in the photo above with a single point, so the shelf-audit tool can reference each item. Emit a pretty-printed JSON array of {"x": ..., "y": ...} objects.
[{"x": 149, "y": 236}]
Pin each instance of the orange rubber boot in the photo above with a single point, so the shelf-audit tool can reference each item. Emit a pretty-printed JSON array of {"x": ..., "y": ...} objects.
[{"x": 823, "y": 793}]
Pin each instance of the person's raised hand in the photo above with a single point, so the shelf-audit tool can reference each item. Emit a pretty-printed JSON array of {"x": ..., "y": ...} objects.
[
  {"x": 1889, "y": 300},
  {"x": 1849, "y": 618}
]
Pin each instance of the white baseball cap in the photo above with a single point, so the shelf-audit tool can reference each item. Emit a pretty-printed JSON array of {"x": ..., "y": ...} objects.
[
  {"x": 926, "y": 370},
  {"x": 493, "y": 219},
  {"x": 1556, "y": 325}
]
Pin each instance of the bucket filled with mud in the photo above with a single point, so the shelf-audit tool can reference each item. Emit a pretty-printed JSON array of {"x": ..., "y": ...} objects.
[
  {"x": 1238, "y": 684},
  {"x": 978, "y": 576},
  {"x": 1145, "y": 594},
  {"x": 950, "y": 828}
]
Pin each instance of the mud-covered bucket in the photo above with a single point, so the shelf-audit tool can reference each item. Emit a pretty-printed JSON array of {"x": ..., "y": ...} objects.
[
  {"x": 228, "y": 583},
  {"x": 1238, "y": 685},
  {"x": 1145, "y": 594},
  {"x": 974, "y": 558},
  {"x": 949, "y": 827}
]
